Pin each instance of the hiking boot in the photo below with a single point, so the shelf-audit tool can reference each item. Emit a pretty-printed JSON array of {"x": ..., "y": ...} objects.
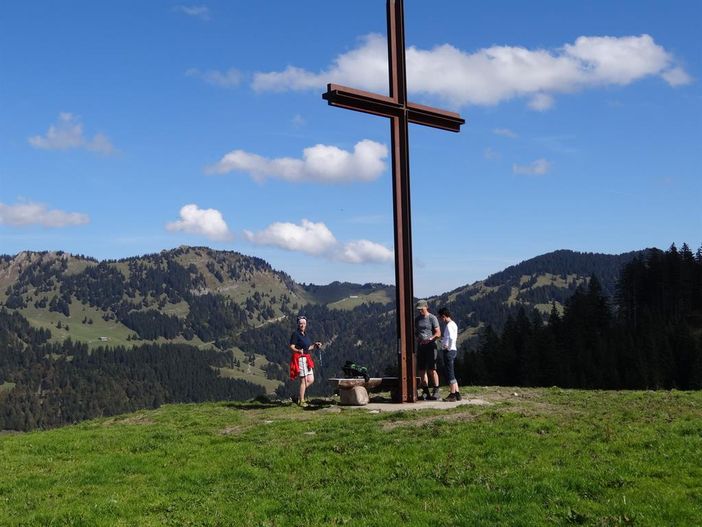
[
  {"x": 458, "y": 396},
  {"x": 434, "y": 394},
  {"x": 451, "y": 398},
  {"x": 422, "y": 396}
]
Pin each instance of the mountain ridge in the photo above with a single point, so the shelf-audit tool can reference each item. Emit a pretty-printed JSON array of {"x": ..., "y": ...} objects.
[
  {"x": 538, "y": 263},
  {"x": 236, "y": 302}
]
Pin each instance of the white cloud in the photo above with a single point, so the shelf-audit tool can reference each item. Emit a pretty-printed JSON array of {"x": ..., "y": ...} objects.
[
  {"x": 308, "y": 237},
  {"x": 536, "y": 168},
  {"x": 365, "y": 66},
  {"x": 677, "y": 77},
  {"x": 317, "y": 240},
  {"x": 23, "y": 214},
  {"x": 541, "y": 102},
  {"x": 505, "y": 132},
  {"x": 322, "y": 163},
  {"x": 618, "y": 60},
  {"x": 227, "y": 79},
  {"x": 198, "y": 11},
  {"x": 361, "y": 251},
  {"x": 67, "y": 134},
  {"x": 492, "y": 75},
  {"x": 101, "y": 144},
  {"x": 205, "y": 222}
]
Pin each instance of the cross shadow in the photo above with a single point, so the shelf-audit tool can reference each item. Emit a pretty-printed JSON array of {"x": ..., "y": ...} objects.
[
  {"x": 258, "y": 403},
  {"x": 380, "y": 399},
  {"x": 262, "y": 402},
  {"x": 319, "y": 404}
]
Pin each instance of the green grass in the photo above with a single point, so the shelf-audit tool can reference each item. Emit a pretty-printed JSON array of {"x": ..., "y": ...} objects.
[
  {"x": 116, "y": 332},
  {"x": 544, "y": 457},
  {"x": 351, "y": 302},
  {"x": 250, "y": 373},
  {"x": 239, "y": 290},
  {"x": 180, "y": 310}
]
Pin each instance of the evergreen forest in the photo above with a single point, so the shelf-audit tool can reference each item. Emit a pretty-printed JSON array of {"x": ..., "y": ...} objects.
[
  {"x": 648, "y": 335},
  {"x": 43, "y": 385}
]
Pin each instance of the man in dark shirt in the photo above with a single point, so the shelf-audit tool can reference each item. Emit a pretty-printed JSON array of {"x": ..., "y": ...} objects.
[{"x": 426, "y": 332}]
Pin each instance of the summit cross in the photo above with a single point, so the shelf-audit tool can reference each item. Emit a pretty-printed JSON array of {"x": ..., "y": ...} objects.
[{"x": 401, "y": 113}]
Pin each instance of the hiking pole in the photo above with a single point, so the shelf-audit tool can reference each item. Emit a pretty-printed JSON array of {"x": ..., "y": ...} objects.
[
  {"x": 321, "y": 369},
  {"x": 321, "y": 364}
]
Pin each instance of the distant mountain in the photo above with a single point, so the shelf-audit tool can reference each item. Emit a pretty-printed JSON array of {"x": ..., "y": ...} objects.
[
  {"x": 343, "y": 293},
  {"x": 235, "y": 302},
  {"x": 190, "y": 293},
  {"x": 564, "y": 262},
  {"x": 537, "y": 283}
]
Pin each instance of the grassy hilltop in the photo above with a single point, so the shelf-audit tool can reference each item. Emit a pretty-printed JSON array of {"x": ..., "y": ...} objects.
[{"x": 531, "y": 457}]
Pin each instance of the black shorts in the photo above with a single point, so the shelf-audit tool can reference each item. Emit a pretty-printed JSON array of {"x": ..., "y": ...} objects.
[{"x": 426, "y": 356}]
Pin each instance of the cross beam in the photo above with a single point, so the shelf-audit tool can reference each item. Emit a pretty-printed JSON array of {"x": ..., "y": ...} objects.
[
  {"x": 363, "y": 101},
  {"x": 401, "y": 113}
]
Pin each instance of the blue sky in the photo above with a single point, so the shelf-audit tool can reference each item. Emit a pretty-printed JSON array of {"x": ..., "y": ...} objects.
[{"x": 131, "y": 127}]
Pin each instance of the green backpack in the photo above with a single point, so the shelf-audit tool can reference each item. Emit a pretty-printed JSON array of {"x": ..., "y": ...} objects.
[{"x": 353, "y": 370}]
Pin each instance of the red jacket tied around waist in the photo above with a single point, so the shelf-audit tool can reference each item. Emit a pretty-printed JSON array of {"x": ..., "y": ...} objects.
[{"x": 295, "y": 364}]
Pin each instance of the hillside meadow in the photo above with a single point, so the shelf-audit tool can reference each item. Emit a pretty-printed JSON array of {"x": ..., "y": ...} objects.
[{"x": 530, "y": 457}]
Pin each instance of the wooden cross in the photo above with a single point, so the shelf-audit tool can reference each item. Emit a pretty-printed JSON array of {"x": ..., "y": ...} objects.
[{"x": 401, "y": 113}]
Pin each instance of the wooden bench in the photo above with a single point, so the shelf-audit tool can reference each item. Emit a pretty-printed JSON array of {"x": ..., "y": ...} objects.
[{"x": 354, "y": 391}]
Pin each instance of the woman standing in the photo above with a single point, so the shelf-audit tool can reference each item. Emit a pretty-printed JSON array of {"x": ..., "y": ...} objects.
[{"x": 301, "y": 364}]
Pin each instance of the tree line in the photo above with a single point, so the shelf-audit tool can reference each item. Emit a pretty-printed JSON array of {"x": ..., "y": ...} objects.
[
  {"x": 647, "y": 336},
  {"x": 53, "y": 384}
]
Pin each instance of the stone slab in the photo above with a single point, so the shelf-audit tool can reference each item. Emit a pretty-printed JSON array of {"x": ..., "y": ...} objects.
[{"x": 419, "y": 405}]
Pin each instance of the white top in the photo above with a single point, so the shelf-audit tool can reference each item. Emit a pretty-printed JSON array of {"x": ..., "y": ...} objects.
[{"x": 448, "y": 340}]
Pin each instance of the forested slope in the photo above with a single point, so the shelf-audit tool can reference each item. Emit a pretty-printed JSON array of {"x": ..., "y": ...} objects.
[{"x": 148, "y": 324}]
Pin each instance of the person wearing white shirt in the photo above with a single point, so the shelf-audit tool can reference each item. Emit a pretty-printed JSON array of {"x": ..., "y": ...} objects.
[{"x": 448, "y": 343}]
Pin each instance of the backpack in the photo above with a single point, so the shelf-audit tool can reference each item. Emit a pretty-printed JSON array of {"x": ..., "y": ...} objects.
[{"x": 353, "y": 370}]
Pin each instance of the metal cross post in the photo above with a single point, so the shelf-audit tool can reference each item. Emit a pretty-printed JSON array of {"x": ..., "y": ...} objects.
[{"x": 401, "y": 113}]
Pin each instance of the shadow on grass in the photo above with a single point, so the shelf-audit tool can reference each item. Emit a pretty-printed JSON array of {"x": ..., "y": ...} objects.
[
  {"x": 381, "y": 399},
  {"x": 319, "y": 404},
  {"x": 259, "y": 403},
  {"x": 262, "y": 403}
]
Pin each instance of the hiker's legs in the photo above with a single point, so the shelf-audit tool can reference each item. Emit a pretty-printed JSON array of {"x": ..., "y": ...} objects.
[
  {"x": 427, "y": 354},
  {"x": 449, "y": 360},
  {"x": 424, "y": 383},
  {"x": 305, "y": 382},
  {"x": 303, "y": 387},
  {"x": 435, "y": 378},
  {"x": 427, "y": 364}
]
